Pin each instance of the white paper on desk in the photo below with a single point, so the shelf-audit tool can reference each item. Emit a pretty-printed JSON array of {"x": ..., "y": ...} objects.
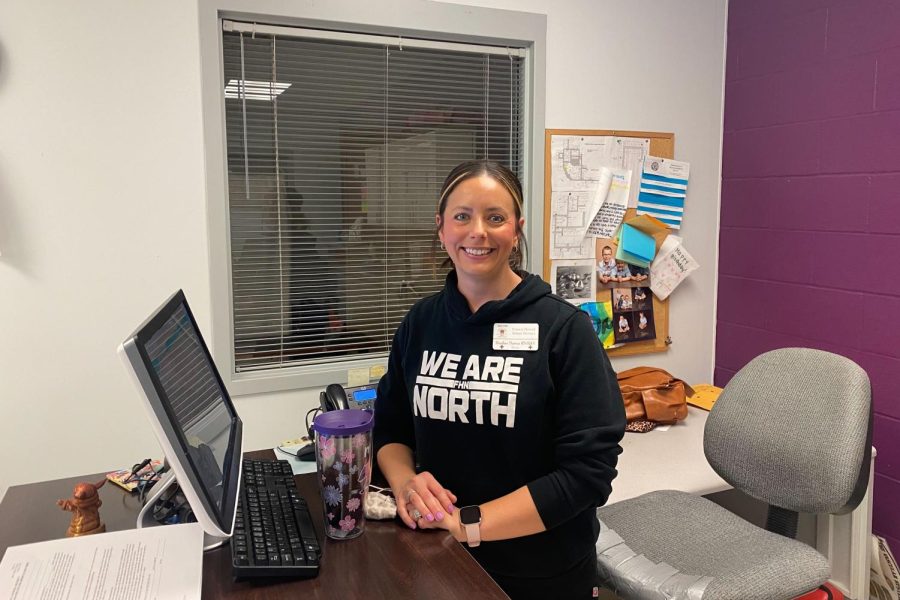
[
  {"x": 612, "y": 207},
  {"x": 568, "y": 223},
  {"x": 157, "y": 563},
  {"x": 670, "y": 267}
]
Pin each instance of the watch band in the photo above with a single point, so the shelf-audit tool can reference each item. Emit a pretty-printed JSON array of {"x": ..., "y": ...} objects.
[
  {"x": 470, "y": 518},
  {"x": 473, "y": 534}
]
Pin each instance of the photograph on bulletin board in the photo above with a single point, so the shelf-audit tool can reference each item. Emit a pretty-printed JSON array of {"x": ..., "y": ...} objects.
[
  {"x": 573, "y": 280},
  {"x": 613, "y": 272},
  {"x": 633, "y": 318}
]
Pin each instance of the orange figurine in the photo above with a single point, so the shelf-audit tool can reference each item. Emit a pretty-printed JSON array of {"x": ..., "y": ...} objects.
[{"x": 85, "y": 504}]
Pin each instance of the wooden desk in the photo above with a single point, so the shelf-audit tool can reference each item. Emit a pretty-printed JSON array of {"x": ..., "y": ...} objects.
[{"x": 387, "y": 561}]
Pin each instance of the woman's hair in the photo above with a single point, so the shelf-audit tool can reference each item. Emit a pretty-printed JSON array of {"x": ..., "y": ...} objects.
[{"x": 502, "y": 175}]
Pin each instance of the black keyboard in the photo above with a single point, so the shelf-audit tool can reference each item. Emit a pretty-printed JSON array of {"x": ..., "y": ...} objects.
[{"x": 273, "y": 530}]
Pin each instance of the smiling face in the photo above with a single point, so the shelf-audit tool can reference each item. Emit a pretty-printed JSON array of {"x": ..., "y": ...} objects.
[{"x": 479, "y": 227}]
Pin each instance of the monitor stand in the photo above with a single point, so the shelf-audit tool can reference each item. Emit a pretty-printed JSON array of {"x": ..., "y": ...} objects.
[{"x": 146, "y": 519}]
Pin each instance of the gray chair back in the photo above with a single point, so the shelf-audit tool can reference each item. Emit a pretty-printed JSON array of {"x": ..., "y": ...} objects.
[{"x": 793, "y": 428}]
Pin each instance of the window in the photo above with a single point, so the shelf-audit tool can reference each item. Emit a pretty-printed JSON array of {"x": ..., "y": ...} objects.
[{"x": 337, "y": 145}]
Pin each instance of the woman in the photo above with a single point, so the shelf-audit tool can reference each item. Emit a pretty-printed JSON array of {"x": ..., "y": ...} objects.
[{"x": 499, "y": 399}]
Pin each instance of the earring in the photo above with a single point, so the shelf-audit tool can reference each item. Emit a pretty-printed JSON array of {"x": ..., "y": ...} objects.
[{"x": 442, "y": 246}]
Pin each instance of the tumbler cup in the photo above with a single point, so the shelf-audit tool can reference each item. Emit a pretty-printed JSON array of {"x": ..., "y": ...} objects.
[{"x": 344, "y": 461}]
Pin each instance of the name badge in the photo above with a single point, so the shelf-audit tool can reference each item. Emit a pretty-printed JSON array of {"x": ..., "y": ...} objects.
[{"x": 516, "y": 336}]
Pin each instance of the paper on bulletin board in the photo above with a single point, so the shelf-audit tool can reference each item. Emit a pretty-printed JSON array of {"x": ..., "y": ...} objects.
[
  {"x": 663, "y": 189},
  {"x": 599, "y": 197},
  {"x": 613, "y": 205},
  {"x": 670, "y": 267},
  {"x": 568, "y": 223},
  {"x": 577, "y": 168},
  {"x": 601, "y": 314},
  {"x": 576, "y": 160},
  {"x": 653, "y": 227}
]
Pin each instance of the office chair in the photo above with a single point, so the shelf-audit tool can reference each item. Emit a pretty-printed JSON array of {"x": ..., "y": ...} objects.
[{"x": 792, "y": 428}]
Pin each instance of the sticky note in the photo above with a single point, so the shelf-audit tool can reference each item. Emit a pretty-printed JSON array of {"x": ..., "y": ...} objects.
[{"x": 357, "y": 377}]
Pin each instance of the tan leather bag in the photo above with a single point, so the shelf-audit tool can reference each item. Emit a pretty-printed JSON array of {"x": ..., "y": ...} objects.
[{"x": 653, "y": 394}]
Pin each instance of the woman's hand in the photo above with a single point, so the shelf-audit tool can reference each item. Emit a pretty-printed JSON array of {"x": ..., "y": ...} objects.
[
  {"x": 450, "y": 522},
  {"x": 423, "y": 499}
]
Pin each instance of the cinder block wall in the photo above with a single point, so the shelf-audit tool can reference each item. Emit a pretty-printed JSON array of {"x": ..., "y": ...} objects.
[{"x": 810, "y": 219}]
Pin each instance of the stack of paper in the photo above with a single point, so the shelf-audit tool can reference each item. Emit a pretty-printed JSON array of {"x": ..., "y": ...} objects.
[
  {"x": 635, "y": 246},
  {"x": 155, "y": 563},
  {"x": 663, "y": 190}
]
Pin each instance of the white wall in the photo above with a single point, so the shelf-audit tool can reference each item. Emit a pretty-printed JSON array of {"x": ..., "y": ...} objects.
[
  {"x": 102, "y": 150},
  {"x": 645, "y": 65}
]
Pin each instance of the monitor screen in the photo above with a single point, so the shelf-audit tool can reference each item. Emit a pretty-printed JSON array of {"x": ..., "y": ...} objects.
[{"x": 192, "y": 413}]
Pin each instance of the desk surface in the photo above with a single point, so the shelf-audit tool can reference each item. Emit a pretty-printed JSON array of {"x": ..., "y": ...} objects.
[
  {"x": 387, "y": 561},
  {"x": 666, "y": 460}
]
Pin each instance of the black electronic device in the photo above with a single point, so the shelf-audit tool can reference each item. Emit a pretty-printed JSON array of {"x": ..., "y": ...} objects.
[
  {"x": 192, "y": 416},
  {"x": 336, "y": 397},
  {"x": 307, "y": 452},
  {"x": 333, "y": 398},
  {"x": 273, "y": 533},
  {"x": 200, "y": 432},
  {"x": 363, "y": 396}
]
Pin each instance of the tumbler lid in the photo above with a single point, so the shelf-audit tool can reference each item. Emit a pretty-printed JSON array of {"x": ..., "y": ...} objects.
[{"x": 343, "y": 422}]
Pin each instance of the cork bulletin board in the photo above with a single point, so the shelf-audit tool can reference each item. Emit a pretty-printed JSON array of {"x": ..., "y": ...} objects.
[{"x": 662, "y": 145}]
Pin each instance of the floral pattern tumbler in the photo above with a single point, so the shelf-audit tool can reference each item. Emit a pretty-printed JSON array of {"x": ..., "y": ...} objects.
[{"x": 344, "y": 460}]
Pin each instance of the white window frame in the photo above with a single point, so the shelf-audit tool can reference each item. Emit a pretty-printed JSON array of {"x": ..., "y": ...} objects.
[{"x": 412, "y": 18}]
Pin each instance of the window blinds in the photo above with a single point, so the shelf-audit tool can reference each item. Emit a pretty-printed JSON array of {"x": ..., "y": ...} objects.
[{"x": 337, "y": 146}]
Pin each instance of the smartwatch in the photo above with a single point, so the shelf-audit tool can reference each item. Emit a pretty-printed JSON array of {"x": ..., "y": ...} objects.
[{"x": 470, "y": 518}]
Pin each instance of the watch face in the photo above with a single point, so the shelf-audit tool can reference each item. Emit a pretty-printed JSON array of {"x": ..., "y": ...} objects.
[{"x": 469, "y": 515}]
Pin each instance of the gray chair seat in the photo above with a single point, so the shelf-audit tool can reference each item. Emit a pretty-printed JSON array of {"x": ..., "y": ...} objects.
[
  {"x": 719, "y": 555},
  {"x": 753, "y": 441}
]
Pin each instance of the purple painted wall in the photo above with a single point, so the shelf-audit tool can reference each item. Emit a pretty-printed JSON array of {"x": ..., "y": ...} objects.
[{"x": 810, "y": 223}]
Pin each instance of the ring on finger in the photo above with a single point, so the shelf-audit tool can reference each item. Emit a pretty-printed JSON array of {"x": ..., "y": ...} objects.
[
  {"x": 409, "y": 495},
  {"x": 415, "y": 514}
]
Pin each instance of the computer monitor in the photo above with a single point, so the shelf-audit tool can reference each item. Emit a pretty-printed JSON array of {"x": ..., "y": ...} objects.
[{"x": 192, "y": 415}]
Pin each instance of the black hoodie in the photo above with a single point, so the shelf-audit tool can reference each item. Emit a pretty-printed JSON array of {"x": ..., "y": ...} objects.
[{"x": 485, "y": 422}]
